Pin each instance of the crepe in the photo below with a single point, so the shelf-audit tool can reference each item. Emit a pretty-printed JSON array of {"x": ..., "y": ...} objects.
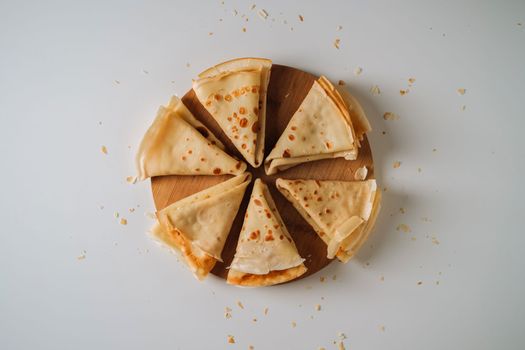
[
  {"x": 321, "y": 128},
  {"x": 341, "y": 212},
  {"x": 178, "y": 144},
  {"x": 198, "y": 225},
  {"x": 266, "y": 253},
  {"x": 234, "y": 93}
]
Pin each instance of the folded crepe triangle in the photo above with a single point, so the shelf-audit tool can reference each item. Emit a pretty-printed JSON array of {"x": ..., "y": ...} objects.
[
  {"x": 234, "y": 93},
  {"x": 266, "y": 254},
  {"x": 322, "y": 127},
  {"x": 342, "y": 213},
  {"x": 198, "y": 225},
  {"x": 178, "y": 144}
]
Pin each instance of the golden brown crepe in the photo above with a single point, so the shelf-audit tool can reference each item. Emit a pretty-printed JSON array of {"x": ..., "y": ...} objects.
[
  {"x": 198, "y": 225},
  {"x": 266, "y": 253},
  {"x": 341, "y": 212},
  {"x": 234, "y": 93},
  {"x": 178, "y": 144},
  {"x": 321, "y": 128}
]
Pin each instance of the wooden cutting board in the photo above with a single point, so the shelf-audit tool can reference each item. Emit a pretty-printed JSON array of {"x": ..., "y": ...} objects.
[{"x": 287, "y": 89}]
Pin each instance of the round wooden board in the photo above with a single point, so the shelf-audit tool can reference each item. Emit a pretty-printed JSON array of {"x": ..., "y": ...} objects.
[{"x": 287, "y": 89}]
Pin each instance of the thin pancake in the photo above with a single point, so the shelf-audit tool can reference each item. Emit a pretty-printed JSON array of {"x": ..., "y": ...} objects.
[
  {"x": 341, "y": 212},
  {"x": 177, "y": 144},
  {"x": 249, "y": 63},
  {"x": 264, "y": 245},
  {"x": 321, "y": 128}
]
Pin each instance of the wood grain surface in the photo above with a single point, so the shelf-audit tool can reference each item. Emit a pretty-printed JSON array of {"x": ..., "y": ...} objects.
[{"x": 287, "y": 89}]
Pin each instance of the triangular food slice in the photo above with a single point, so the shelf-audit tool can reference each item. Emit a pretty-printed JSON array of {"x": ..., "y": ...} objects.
[
  {"x": 198, "y": 225},
  {"x": 341, "y": 212},
  {"x": 266, "y": 253},
  {"x": 320, "y": 128},
  {"x": 234, "y": 93},
  {"x": 178, "y": 144}
]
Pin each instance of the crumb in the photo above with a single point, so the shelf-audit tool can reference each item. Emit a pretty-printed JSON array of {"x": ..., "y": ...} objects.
[
  {"x": 321, "y": 279},
  {"x": 116, "y": 214},
  {"x": 250, "y": 347},
  {"x": 413, "y": 238},
  {"x": 231, "y": 339},
  {"x": 390, "y": 116},
  {"x": 381, "y": 328},
  {"x": 145, "y": 71},
  {"x": 82, "y": 256},
  {"x": 403, "y": 92},
  {"x": 188, "y": 65},
  {"x": 321, "y": 348},
  {"x": 382, "y": 278},
  {"x": 235, "y": 12},
  {"x": 150, "y": 215},
  {"x": 462, "y": 91},
  {"x": 227, "y": 312},
  {"x": 301, "y": 18},
  {"x": 339, "y": 27},
  {"x": 402, "y": 210},
  {"x": 266, "y": 311},
  {"x": 317, "y": 307},
  {"x": 403, "y": 227},
  {"x": 411, "y": 81},
  {"x": 383, "y": 133},
  {"x": 396, "y": 164},
  {"x": 294, "y": 324},
  {"x": 375, "y": 90},
  {"x": 123, "y": 221},
  {"x": 336, "y": 43},
  {"x": 341, "y": 346},
  {"x": 244, "y": 29},
  {"x": 419, "y": 283},
  {"x": 434, "y": 240},
  {"x": 262, "y": 13},
  {"x": 131, "y": 210},
  {"x": 210, "y": 33},
  {"x": 361, "y": 173},
  {"x": 342, "y": 336},
  {"x": 104, "y": 149},
  {"x": 117, "y": 82},
  {"x": 341, "y": 83},
  {"x": 131, "y": 179},
  {"x": 240, "y": 305},
  {"x": 253, "y": 6},
  {"x": 254, "y": 319},
  {"x": 358, "y": 71}
]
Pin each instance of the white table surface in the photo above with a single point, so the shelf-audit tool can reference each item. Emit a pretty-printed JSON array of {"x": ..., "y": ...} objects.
[{"x": 78, "y": 75}]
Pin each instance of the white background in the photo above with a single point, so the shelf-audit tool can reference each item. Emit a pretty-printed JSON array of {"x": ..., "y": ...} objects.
[{"x": 60, "y": 102}]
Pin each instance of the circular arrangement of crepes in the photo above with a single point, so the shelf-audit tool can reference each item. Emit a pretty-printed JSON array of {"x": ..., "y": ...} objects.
[{"x": 234, "y": 114}]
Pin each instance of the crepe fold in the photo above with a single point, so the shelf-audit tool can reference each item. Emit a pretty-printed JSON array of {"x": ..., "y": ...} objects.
[
  {"x": 234, "y": 93},
  {"x": 266, "y": 253},
  {"x": 324, "y": 126},
  {"x": 198, "y": 225},
  {"x": 178, "y": 144},
  {"x": 342, "y": 213}
]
